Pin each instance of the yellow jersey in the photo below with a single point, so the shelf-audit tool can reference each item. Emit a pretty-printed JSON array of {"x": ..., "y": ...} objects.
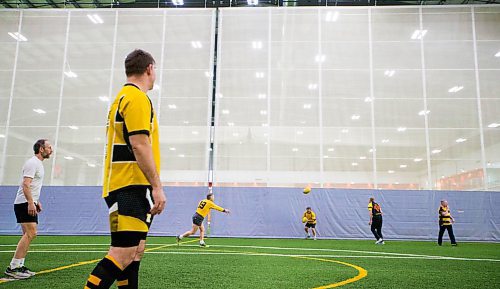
[
  {"x": 444, "y": 216},
  {"x": 131, "y": 113},
  {"x": 311, "y": 217},
  {"x": 204, "y": 207}
]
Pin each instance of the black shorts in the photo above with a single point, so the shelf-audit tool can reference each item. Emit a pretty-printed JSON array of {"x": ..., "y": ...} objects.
[
  {"x": 129, "y": 217},
  {"x": 22, "y": 216},
  {"x": 198, "y": 219},
  {"x": 309, "y": 225}
]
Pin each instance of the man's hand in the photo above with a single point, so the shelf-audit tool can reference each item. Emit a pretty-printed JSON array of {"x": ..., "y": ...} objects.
[
  {"x": 160, "y": 201},
  {"x": 370, "y": 223},
  {"x": 31, "y": 209},
  {"x": 38, "y": 207}
]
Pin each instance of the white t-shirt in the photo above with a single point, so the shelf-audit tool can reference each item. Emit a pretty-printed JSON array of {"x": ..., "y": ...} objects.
[{"x": 33, "y": 168}]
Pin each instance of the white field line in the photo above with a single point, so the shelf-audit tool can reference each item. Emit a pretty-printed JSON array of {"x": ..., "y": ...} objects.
[{"x": 422, "y": 257}]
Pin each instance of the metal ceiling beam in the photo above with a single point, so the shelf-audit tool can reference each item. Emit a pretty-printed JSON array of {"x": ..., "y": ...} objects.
[{"x": 4, "y": 3}]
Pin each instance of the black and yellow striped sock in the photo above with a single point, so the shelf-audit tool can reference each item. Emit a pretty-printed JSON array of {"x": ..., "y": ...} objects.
[
  {"x": 129, "y": 279},
  {"x": 104, "y": 274}
]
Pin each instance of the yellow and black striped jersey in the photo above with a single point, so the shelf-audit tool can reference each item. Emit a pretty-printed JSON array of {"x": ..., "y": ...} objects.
[
  {"x": 374, "y": 208},
  {"x": 131, "y": 113},
  {"x": 204, "y": 207},
  {"x": 310, "y": 216},
  {"x": 444, "y": 216}
]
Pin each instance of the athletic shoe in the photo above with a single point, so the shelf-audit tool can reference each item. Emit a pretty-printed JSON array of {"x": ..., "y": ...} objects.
[
  {"x": 203, "y": 245},
  {"x": 17, "y": 273},
  {"x": 314, "y": 238},
  {"x": 28, "y": 271},
  {"x": 178, "y": 239},
  {"x": 454, "y": 245},
  {"x": 382, "y": 243},
  {"x": 379, "y": 241}
]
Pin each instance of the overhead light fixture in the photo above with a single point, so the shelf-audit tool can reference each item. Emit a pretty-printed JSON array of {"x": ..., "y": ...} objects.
[
  {"x": 95, "y": 18},
  {"x": 262, "y": 96},
  {"x": 2, "y": 136},
  {"x": 390, "y": 171},
  {"x": 172, "y": 149},
  {"x": 104, "y": 98},
  {"x": 295, "y": 149},
  {"x": 401, "y": 129},
  {"x": 424, "y": 112},
  {"x": 181, "y": 155},
  {"x": 371, "y": 150},
  {"x": 389, "y": 73},
  {"x": 235, "y": 134},
  {"x": 185, "y": 122},
  {"x": 418, "y": 34},
  {"x": 73, "y": 127},
  {"x": 265, "y": 124},
  {"x": 70, "y": 74},
  {"x": 225, "y": 111},
  {"x": 196, "y": 44},
  {"x": 459, "y": 140},
  {"x": 312, "y": 86},
  {"x": 68, "y": 157},
  {"x": 219, "y": 95},
  {"x": 230, "y": 123},
  {"x": 497, "y": 54},
  {"x": 320, "y": 58},
  {"x": 403, "y": 166},
  {"x": 435, "y": 151},
  {"x": 345, "y": 130},
  {"x": 253, "y": 2},
  {"x": 17, "y": 36},
  {"x": 417, "y": 160},
  {"x": 494, "y": 125},
  {"x": 263, "y": 112},
  {"x": 178, "y": 2},
  {"x": 355, "y": 116},
  {"x": 257, "y": 44},
  {"x": 385, "y": 140},
  {"x": 307, "y": 106},
  {"x": 39, "y": 110},
  {"x": 362, "y": 158},
  {"x": 331, "y": 149},
  {"x": 194, "y": 132},
  {"x": 299, "y": 132},
  {"x": 336, "y": 141},
  {"x": 259, "y": 74},
  {"x": 368, "y": 99},
  {"x": 208, "y": 74},
  {"x": 91, "y": 165},
  {"x": 354, "y": 164},
  {"x": 332, "y": 16},
  {"x": 455, "y": 89},
  {"x": 325, "y": 156},
  {"x": 172, "y": 106}
]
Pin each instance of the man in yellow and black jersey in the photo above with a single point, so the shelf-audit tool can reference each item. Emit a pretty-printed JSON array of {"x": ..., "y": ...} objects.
[
  {"x": 131, "y": 187},
  {"x": 445, "y": 223},
  {"x": 204, "y": 207},
  {"x": 309, "y": 218},
  {"x": 375, "y": 212}
]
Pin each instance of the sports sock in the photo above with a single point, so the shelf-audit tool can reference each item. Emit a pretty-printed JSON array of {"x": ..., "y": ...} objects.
[
  {"x": 104, "y": 274},
  {"x": 15, "y": 263},
  {"x": 129, "y": 279}
]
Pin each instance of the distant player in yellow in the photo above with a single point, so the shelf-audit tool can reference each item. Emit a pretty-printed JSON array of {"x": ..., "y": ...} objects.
[
  {"x": 202, "y": 211},
  {"x": 310, "y": 219}
]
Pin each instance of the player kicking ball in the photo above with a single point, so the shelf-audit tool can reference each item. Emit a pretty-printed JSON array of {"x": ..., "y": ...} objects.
[{"x": 202, "y": 211}]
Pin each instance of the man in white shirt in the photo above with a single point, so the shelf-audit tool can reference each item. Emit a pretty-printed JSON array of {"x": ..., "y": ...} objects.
[{"x": 27, "y": 206}]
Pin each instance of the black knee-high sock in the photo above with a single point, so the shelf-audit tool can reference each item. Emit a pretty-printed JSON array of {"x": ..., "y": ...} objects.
[
  {"x": 129, "y": 279},
  {"x": 104, "y": 274}
]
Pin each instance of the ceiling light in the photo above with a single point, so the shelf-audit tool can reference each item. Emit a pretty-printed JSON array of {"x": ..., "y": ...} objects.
[
  {"x": 219, "y": 95},
  {"x": 172, "y": 106},
  {"x": 178, "y": 2},
  {"x": 235, "y": 134},
  {"x": 262, "y": 96},
  {"x": 91, "y": 165},
  {"x": 307, "y": 106},
  {"x": 385, "y": 140},
  {"x": 494, "y": 125},
  {"x": 497, "y": 54},
  {"x": 39, "y": 110},
  {"x": 390, "y": 171},
  {"x": 435, "y": 151},
  {"x": 196, "y": 44},
  {"x": 401, "y": 129},
  {"x": 208, "y": 74},
  {"x": 18, "y": 36},
  {"x": 371, "y": 150},
  {"x": 71, "y": 74},
  {"x": 257, "y": 44},
  {"x": 418, "y": 34},
  {"x": 263, "y": 112},
  {"x": 325, "y": 157},
  {"x": 331, "y": 16},
  {"x": 362, "y": 158},
  {"x": 459, "y": 140},
  {"x": 230, "y": 123},
  {"x": 354, "y": 164},
  {"x": 355, "y": 117},
  {"x": 104, "y": 98},
  {"x": 225, "y": 111},
  {"x": 259, "y": 74},
  {"x": 345, "y": 130},
  {"x": 336, "y": 141},
  {"x": 320, "y": 58},
  {"x": 181, "y": 155},
  {"x": 195, "y": 132},
  {"x": 455, "y": 89},
  {"x": 95, "y": 18},
  {"x": 2, "y": 136},
  {"x": 68, "y": 157},
  {"x": 424, "y": 112},
  {"x": 172, "y": 149},
  {"x": 299, "y": 132},
  {"x": 312, "y": 86},
  {"x": 331, "y": 149},
  {"x": 185, "y": 122},
  {"x": 74, "y": 127},
  {"x": 368, "y": 99},
  {"x": 389, "y": 73},
  {"x": 295, "y": 149},
  {"x": 265, "y": 124},
  {"x": 403, "y": 166},
  {"x": 417, "y": 160},
  {"x": 253, "y": 2}
]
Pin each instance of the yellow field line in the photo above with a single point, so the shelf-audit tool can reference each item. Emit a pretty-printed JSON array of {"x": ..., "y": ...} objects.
[{"x": 94, "y": 261}]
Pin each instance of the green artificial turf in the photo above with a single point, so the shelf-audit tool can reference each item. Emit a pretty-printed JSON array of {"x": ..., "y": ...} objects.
[{"x": 267, "y": 263}]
